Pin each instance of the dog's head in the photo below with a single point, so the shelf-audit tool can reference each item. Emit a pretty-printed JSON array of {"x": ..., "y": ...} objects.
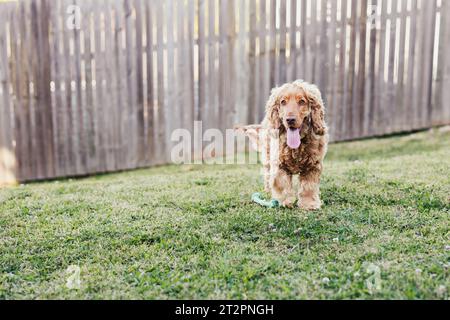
[{"x": 292, "y": 105}]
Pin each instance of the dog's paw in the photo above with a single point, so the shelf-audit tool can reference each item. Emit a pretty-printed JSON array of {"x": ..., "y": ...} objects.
[
  {"x": 308, "y": 204},
  {"x": 288, "y": 202}
]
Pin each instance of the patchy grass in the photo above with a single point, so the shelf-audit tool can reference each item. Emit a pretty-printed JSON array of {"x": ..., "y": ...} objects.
[{"x": 192, "y": 231}]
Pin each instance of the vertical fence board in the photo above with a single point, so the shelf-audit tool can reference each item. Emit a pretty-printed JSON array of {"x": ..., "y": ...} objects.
[
  {"x": 303, "y": 33},
  {"x": 330, "y": 92},
  {"x": 211, "y": 119},
  {"x": 223, "y": 65},
  {"x": 201, "y": 60},
  {"x": 272, "y": 42},
  {"x": 350, "y": 114},
  {"x": 231, "y": 87},
  {"x": 324, "y": 40},
  {"x": 410, "y": 116},
  {"x": 140, "y": 117},
  {"x": 130, "y": 81},
  {"x": 390, "y": 88},
  {"x": 282, "y": 43},
  {"x": 373, "y": 72},
  {"x": 123, "y": 94},
  {"x": 34, "y": 78},
  {"x": 399, "y": 106},
  {"x": 191, "y": 36},
  {"x": 89, "y": 113},
  {"x": 252, "y": 86},
  {"x": 418, "y": 65},
  {"x": 102, "y": 110},
  {"x": 171, "y": 71},
  {"x": 44, "y": 98},
  {"x": 443, "y": 76},
  {"x": 58, "y": 68},
  {"x": 428, "y": 45},
  {"x": 16, "y": 72},
  {"x": 262, "y": 59},
  {"x": 110, "y": 90},
  {"x": 381, "y": 87},
  {"x": 8, "y": 168},
  {"x": 310, "y": 37},
  {"x": 80, "y": 105},
  {"x": 241, "y": 65},
  {"x": 361, "y": 76},
  {"x": 342, "y": 71},
  {"x": 150, "y": 152},
  {"x": 264, "y": 72},
  {"x": 67, "y": 103},
  {"x": 293, "y": 52},
  {"x": 161, "y": 98},
  {"x": 29, "y": 55}
]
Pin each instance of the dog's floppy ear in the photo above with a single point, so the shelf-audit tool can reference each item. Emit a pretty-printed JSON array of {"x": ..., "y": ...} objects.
[
  {"x": 272, "y": 113},
  {"x": 317, "y": 109}
]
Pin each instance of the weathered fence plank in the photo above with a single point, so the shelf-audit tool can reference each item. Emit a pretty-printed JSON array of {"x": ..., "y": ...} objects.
[
  {"x": 443, "y": 76},
  {"x": 410, "y": 116},
  {"x": 418, "y": 69},
  {"x": 102, "y": 110},
  {"x": 17, "y": 73},
  {"x": 341, "y": 99},
  {"x": 359, "y": 105},
  {"x": 140, "y": 97},
  {"x": 400, "y": 92},
  {"x": 252, "y": 84},
  {"x": 264, "y": 67},
  {"x": 8, "y": 169},
  {"x": 150, "y": 152},
  {"x": 212, "y": 74},
  {"x": 272, "y": 43},
  {"x": 372, "y": 77},
  {"x": 160, "y": 85},
  {"x": 293, "y": 50},
  {"x": 426, "y": 87},
  {"x": 390, "y": 89},
  {"x": 109, "y": 89},
  {"x": 350, "y": 102},
  {"x": 282, "y": 43},
  {"x": 57, "y": 69},
  {"x": 89, "y": 113},
  {"x": 331, "y": 105}
]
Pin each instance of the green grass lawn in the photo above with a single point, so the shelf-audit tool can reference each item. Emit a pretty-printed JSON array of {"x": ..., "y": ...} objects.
[{"x": 192, "y": 231}]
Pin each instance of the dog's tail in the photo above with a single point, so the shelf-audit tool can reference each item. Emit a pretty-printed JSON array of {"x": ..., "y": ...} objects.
[{"x": 254, "y": 132}]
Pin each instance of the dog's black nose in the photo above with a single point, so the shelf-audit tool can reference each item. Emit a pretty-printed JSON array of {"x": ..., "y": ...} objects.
[{"x": 290, "y": 121}]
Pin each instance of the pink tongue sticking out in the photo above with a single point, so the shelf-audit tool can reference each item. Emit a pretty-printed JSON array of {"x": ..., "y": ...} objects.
[{"x": 293, "y": 138}]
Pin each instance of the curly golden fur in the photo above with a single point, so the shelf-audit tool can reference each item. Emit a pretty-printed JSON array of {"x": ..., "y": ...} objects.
[{"x": 297, "y": 105}]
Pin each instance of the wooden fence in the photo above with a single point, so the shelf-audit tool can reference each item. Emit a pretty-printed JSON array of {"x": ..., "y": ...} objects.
[{"x": 107, "y": 95}]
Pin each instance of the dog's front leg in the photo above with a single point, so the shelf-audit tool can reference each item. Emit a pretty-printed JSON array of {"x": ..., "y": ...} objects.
[
  {"x": 309, "y": 194},
  {"x": 281, "y": 186}
]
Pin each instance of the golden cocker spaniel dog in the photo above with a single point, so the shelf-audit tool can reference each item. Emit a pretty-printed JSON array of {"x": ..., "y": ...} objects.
[{"x": 293, "y": 140}]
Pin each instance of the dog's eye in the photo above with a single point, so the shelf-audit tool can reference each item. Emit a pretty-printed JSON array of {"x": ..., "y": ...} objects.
[
  {"x": 302, "y": 102},
  {"x": 283, "y": 102}
]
